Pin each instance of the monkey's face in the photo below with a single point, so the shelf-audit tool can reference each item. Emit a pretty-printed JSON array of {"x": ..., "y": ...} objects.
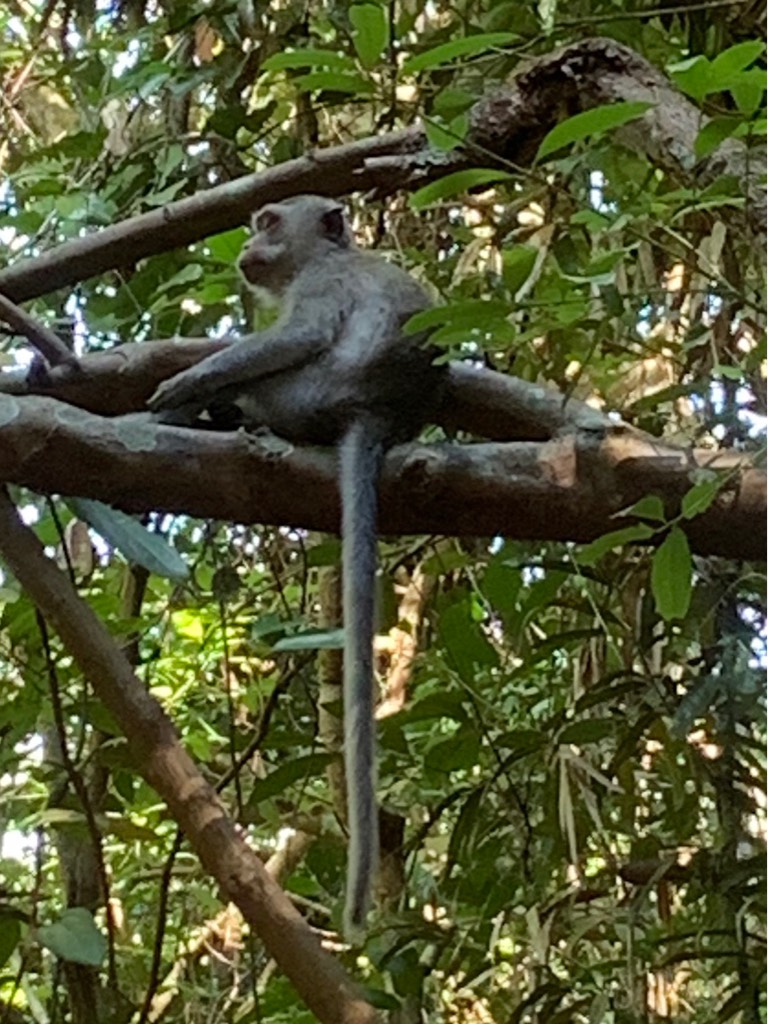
[{"x": 289, "y": 235}]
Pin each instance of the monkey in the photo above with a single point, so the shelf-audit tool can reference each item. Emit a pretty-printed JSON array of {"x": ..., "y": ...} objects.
[{"x": 334, "y": 369}]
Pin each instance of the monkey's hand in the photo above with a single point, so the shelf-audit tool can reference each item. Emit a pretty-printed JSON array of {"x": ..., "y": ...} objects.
[
  {"x": 256, "y": 355},
  {"x": 188, "y": 388}
]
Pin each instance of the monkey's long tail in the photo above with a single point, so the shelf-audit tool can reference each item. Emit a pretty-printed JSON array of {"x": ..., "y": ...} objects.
[{"x": 361, "y": 456}]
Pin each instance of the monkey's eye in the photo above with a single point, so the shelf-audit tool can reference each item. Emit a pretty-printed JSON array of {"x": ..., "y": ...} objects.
[
  {"x": 333, "y": 224},
  {"x": 267, "y": 220}
]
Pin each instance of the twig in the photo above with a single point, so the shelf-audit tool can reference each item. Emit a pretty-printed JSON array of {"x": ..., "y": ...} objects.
[{"x": 40, "y": 337}]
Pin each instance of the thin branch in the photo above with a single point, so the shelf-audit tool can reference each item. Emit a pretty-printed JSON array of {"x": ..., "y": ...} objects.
[{"x": 41, "y": 338}]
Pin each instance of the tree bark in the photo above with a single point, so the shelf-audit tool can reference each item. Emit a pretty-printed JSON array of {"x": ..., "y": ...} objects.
[{"x": 568, "y": 488}]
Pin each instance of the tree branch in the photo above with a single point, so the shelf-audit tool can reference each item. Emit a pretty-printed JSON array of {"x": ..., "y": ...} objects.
[
  {"x": 161, "y": 759},
  {"x": 569, "y": 488},
  {"x": 41, "y": 338},
  {"x": 478, "y": 400},
  {"x": 506, "y": 127}
]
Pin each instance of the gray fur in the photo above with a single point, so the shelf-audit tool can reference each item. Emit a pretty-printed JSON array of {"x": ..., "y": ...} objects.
[
  {"x": 334, "y": 369},
  {"x": 361, "y": 453}
]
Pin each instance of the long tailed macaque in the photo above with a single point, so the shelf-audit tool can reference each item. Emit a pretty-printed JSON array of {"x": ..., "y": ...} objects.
[{"x": 334, "y": 369}]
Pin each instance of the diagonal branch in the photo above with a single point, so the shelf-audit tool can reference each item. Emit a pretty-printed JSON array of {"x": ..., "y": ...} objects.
[
  {"x": 42, "y": 338},
  {"x": 161, "y": 759},
  {"x": 506, "y": 128}
]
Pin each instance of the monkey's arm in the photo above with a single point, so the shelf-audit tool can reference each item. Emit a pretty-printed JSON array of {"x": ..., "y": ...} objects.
[{"x": 282, "y": 347}]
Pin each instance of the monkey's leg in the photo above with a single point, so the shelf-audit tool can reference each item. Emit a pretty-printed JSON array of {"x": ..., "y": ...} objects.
[{"x": 361, "y": 454}]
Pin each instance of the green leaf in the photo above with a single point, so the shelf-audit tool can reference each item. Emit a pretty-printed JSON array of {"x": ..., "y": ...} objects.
[
  {"x": 731, "y": 61},
  {"x": 227, "y": 122},
  {"x": 517, "y": 265},
  {"x": 521, "y": 741},
  {"x": 371, "y": 32},
  {"x": 459, "y": 126},
  {"x": 729, "y": 372},
  {"x": 446, "y": 137},
  {"x": 454, "y": 184},
  {"x": 649, "y": 507},
  {"x": 590, "y": 122},
  {"x": 226, "y": 246},
  {"x": 10, "y": 936},
  {"x": 445, "y": 704},
  {"x": 692, "y": 76},
  {"x": 188, "y": 623},
  {"x": 164, "y": 195},
  {"x": 128, "y": 830},
  {"x": 747, "y": 89},
  {"x": 497, "y": 335},
  {"x": 466, "y": 643},
  {"x": 225, "y": 583},
  {"x": 587, "y": 731},
  {"x": 312, "y": 640},
  {"x": 457, "y": 752},
  {"x": 593, "y": 552},
  {"x": 466, "y": 825},
  {"x": 696, "y": 702},
  {"x": 297, "y": 769},
  {"x": 332, "y": 81},
  {"x": 473, "y": 313},
  {"x": 186, "y": 275},
  {"x": 672, "y": 576},
  {"x": 468, "y": 46},
  {"x": 132, "y": 539},
  {"x": 713, "y": 133},
  {"x": 450, "y": 102},
  {"x": 328, "y": 552},
  {"x": 308, "y": 58},
  {"x": 74, "y": 937},
  {"x": 563, "y": 640},
  {"x": 501, "y": 585},
  {"x": 378, "y": 998},
  {"x": 437, "y": 136},
  {"x": 701, "y": 496},
  {"x": 267, "y": 625},
  {"x": 594, "y": 221},
  {"x": 144, "y": 80}
]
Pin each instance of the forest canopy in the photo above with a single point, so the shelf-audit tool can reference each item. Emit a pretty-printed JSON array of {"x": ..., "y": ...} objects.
[{"x": 571, "y": 645}]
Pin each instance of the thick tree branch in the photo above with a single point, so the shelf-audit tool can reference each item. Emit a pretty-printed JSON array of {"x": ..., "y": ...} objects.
[
  {"x": 161, "y": 759},
  {"x": 481, "y": 401},
  {"x": 565, "y": 489},
  {"x": 506, "y": 127},
  {"x": 335, "y": 171},
  {"x": 504, "y": 408}
]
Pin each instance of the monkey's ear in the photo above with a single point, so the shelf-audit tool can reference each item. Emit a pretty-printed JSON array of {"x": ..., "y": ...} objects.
[
  {"x": 334, "y": 225},
  {"x": 266, "y": 219}
]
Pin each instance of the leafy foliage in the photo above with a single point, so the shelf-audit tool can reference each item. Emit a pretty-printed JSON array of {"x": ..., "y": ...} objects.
[{"x": 578, "y": 770}]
